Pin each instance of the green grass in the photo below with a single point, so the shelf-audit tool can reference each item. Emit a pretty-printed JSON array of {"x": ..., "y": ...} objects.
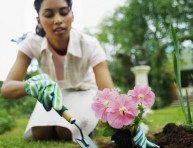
[
  {"x": 14, "y": 139},
  {"x": 156, "y": 121},
  {"x": 161, "y": 117}
]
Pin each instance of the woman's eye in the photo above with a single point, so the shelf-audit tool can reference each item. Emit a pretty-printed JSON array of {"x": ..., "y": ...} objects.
[
  {"x": 65, "y": 11},
  {"x": 49, "y": 14}
]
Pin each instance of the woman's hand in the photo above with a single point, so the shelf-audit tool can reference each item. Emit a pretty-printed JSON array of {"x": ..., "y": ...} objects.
[
  {"x": 46, "y": 92},
  {"x": 141, "y": 140}
]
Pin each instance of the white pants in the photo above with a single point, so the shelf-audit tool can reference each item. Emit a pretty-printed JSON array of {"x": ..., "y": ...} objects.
[{"x": 78, "y": 104}]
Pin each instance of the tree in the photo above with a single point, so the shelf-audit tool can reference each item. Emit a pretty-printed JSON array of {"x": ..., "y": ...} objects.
[
  {"x": 1, "y": 83},
  {"x": 140, "y": 31}
]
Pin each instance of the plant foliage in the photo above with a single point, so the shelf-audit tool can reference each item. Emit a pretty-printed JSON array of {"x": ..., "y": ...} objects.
[
  {"x": 138, "y": 32},
  {"x": 176, "y": 60}
]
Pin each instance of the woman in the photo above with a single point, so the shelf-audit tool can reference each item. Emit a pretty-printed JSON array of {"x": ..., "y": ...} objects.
[{"x": 72, "y": 59}]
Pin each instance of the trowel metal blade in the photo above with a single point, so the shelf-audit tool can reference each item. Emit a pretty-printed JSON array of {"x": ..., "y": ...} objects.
[{"x": 88, "y": 140}]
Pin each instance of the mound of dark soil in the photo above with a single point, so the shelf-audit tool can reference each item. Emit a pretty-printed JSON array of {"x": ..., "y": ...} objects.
[{"x": 174, "y": 136}]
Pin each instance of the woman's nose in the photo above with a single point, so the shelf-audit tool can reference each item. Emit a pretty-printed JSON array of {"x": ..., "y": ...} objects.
[{"x": 58, "y": 19}]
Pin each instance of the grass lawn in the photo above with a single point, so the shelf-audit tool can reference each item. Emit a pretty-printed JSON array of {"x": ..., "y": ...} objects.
[
  {"x": 160, "y": 117},
  {"x": 156, "y": 121},
  {"x": 14, "y": 139}
]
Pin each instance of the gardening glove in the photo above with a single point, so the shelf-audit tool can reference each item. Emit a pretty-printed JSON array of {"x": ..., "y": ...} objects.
[
  {"x": 46, "y": 92},
  {"x": 19, "y": 39},
  {"x": 141, "y": 141}
]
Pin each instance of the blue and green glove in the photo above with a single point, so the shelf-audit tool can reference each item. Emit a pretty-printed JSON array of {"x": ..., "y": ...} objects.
[
  {"x": 141, "y": 141},
  {"x": 46, "y": 92}
]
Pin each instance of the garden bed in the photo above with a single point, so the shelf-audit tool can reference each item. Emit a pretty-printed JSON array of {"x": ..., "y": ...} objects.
[
  {"x": 157, "y": 120},
  {"x": 174, "y": 136}
]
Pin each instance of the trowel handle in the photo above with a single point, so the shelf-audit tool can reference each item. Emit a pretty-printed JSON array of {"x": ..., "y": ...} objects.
[{"x": 66, "y": 114}]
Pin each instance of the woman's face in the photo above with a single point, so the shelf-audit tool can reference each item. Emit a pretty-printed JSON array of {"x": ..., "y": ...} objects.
[{"x": 55, "y": 17}]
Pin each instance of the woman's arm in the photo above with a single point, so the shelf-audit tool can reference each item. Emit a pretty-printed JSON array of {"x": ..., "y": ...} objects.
[
  {"x": 102, "y": 75},
  {"x": 13, "y": 87}
]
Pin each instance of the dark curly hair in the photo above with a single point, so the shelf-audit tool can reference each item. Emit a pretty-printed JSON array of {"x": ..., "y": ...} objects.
[{"x": 37, "y": 5}]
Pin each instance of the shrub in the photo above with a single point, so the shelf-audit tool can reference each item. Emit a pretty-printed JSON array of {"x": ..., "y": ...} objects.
[{"x": 6, "y": 122}]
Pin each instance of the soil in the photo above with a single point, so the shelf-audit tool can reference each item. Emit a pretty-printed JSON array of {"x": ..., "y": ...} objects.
[
  {"x": 123, "y": 139},
  {"x": 174, "y": 136}
]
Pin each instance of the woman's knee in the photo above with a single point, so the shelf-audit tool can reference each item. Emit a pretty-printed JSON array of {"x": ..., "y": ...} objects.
[
  {"x": 63, "y": 133},
  {"x": 43, "y": 132}
]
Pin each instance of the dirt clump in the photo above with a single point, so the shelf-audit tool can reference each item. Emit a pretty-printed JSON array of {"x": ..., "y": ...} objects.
[{"x": 174, "y": 136}]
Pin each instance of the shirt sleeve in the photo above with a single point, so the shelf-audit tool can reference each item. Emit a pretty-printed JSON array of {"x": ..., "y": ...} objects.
[
  {"x": 24, "y": 47},
  {"x": 98, "y": 55}
]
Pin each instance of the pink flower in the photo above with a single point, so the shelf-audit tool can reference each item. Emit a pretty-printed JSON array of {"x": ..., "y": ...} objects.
[
  {"x": 143, "y": 95},
  {"x": 122, "y": 111},
  {"x": 101, "y": 102}
]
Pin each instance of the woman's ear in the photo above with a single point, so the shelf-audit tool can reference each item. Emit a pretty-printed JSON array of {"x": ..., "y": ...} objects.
[{"x": 38, "y": 22}]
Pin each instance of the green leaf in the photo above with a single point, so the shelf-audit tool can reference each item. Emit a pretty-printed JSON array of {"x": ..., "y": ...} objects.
[
  {"x": 176, "y": 71},
  {"x": 180, "y": 99},
  {"x": 188, "y": 108},
  {"x": 108, "y": 131},
  {"x": 176, "y": 63},
  {"x": 174, "y": 38}
]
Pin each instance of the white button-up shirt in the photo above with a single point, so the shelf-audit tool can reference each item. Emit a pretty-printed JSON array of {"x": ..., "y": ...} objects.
[{"x": 83, "y": 53}]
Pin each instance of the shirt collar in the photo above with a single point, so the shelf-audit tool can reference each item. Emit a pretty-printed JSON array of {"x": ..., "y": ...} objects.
[
  {"x": 44, "y": 44},
  {"x": 74, "y": 46}
]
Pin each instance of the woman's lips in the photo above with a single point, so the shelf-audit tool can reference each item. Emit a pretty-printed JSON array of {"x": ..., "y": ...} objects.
[{"x": 59, "y": 31}]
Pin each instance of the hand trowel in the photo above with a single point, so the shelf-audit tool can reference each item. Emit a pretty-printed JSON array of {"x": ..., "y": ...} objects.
[{"x": 85, "y": 141}]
